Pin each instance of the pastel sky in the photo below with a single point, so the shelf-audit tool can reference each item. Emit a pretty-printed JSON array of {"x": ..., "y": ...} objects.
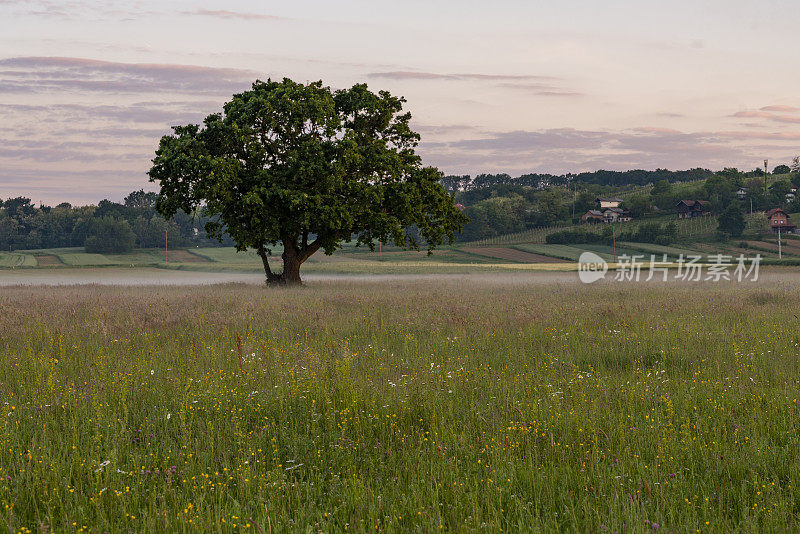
[{"x": 88, "y": 88}]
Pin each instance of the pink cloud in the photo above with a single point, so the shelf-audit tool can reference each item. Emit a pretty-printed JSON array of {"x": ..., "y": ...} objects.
[
  {"x": 416, "y": 75},
  {"x": 752, "y": 115},
  {"x": 225, "y": 14},
  {"x": 654, "y": 130},
  {"x": 783, "y": 118},
  {"x": 777, "y": 136},
  {"x": 786, "y": 109},
  {"x": 58, "y": 74}
]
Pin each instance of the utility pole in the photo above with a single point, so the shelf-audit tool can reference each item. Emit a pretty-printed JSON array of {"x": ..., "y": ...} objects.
[
  {"x": 779, "y": 243},
  {"x": 166, "y": 260},
  {"x": 574, "y": 193},
  {"x": 613, "y": 242},
  {"x": 765, "y": 178}
]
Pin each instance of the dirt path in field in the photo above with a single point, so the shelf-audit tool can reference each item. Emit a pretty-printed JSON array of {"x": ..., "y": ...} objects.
[
  {"x": 512, "y": 254},
  {"x": 184, "y": 256},
  {"x": 48, "y": 260}
]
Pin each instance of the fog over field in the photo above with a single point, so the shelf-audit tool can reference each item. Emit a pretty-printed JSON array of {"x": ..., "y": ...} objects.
[{"x": 768, "y": 276}]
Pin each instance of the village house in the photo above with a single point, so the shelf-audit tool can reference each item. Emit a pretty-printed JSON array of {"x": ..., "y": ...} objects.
[
  {"x": 612, "y": 215},
  {"x": 779, "y": 221},
  {"x": 692, "y": 208},
  {"x": 609, "y": 202},
  {"x": 592, "y": 216},
  {"x": 609, "y": 212}
]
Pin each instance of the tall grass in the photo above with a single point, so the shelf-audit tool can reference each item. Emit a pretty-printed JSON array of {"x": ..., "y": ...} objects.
[{"x": 400, "y": 407}]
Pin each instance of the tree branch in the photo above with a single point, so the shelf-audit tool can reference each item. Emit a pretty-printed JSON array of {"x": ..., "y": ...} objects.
[
  {"x": 308, "y": 250},
  {"x": 271, "y": 277}
]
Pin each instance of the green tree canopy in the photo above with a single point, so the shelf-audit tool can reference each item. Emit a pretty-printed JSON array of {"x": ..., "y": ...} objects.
[
  {"x": 495, "y": 216},
  {"x": 639, "y": 205},
  {"x": 731, "y": 221},
  {"x": 550, "y": 207},
  {"x": 781, "y": 169},
  {"x": 109, "y": 235},
  {"x": 662, "y": 187},
  {"x": 308, "y": 168},
  {"x": 721, "y": 188},
  {"x": 662, "y": 194},
  {"x": 779, "y": 190},
  {"x": 140, "y": 199}
]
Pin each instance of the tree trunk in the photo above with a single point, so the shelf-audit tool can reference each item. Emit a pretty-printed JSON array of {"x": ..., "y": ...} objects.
[
  {"x": 294, "y": 256},
  {"x": 291, "y": 266}
]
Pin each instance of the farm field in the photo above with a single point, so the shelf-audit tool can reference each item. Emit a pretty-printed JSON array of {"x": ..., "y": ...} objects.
[
  {"x": 48, "y": 260},
  {"x": 512, "y": 254},
  {"x": 460, "y": 258},
  {"x": 479, "y": 404},
  {"x": 350, "y": 260},
  {"x": 13, "y": 260}
]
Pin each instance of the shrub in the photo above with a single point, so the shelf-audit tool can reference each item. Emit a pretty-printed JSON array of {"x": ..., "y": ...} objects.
[{"x": 652, "y": 233}]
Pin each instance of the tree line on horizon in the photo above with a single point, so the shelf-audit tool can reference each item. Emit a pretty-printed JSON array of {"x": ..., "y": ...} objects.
[
  {"x": 496, "y": 204},
  {"x": 108, "y": 227}
]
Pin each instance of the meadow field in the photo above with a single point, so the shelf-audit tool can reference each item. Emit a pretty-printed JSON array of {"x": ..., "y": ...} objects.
[{"x": 479, "y": 404}]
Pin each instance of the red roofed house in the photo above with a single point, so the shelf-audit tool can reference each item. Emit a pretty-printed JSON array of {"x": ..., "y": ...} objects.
[
  {"x": 592, "y": 216},
  {"x": 779, "y": 221}
]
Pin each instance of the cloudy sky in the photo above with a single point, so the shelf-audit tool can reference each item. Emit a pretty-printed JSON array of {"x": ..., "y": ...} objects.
[{"x": 87, "y": 88}]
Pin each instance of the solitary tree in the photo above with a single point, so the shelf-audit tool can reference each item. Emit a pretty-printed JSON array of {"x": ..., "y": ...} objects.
[{"x": 308, "y": 168}]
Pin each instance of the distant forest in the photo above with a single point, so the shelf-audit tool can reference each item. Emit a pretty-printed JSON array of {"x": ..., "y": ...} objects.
[
  {"x": 497, "y": 204},
  {"x": 106, "y": 227},
  {"x": 602, "y": 178}
]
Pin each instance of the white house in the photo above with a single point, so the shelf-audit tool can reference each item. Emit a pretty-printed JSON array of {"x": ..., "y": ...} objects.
[{"x": 609, "y": 202}]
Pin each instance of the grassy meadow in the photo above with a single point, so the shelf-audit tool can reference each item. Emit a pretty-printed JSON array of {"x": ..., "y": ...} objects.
[{"x": 431, "y": 406}]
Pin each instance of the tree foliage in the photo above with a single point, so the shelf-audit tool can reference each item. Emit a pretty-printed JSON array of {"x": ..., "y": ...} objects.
[
  {"x": 25, "y": 226},
  {"x": 308, "y": 168},
  {"x": 781, "y": 169},
  {"x": 731, "y": 221},
  {"x": 495, "y": 216},
  {"x": 109, "y": 235},
  {"x": 721, "y": 188},
  {"x": 779, "y": 190}
]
